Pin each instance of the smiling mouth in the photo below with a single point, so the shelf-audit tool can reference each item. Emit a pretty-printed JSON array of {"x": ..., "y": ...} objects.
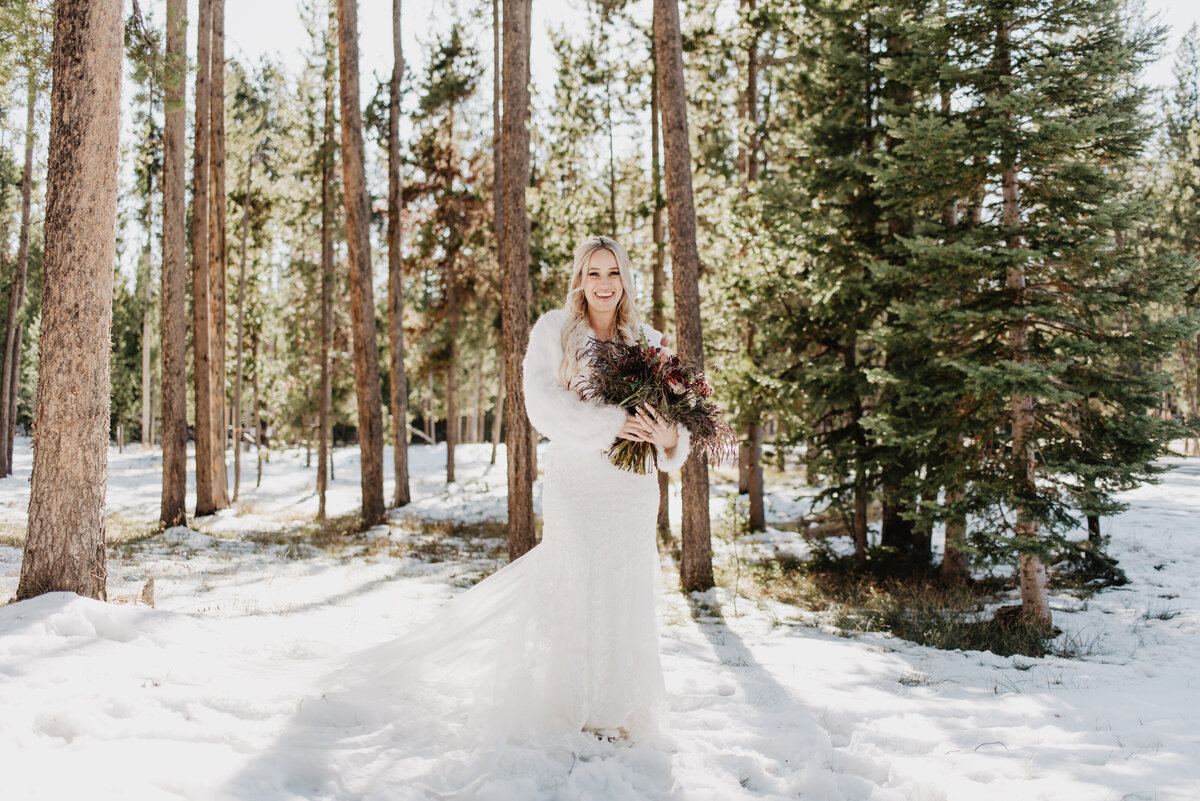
[{"x": 604, "y": 296}]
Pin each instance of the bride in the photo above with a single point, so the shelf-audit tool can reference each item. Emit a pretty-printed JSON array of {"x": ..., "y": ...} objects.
[{"x": 564, "y": 640}]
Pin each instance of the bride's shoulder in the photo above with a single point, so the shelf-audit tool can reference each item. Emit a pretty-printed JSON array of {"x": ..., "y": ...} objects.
[{"x": 550, "y": 323}]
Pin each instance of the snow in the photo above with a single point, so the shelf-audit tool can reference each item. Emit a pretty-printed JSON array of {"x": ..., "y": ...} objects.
[{"x": 228, "y": 688}]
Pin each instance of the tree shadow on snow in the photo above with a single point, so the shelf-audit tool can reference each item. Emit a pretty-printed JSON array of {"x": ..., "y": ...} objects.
[{"x": 787, "y": 753}]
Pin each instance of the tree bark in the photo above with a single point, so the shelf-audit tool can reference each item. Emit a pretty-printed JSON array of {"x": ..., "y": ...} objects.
[
  {"x": 16, "y": 293},
  {"x": 65, "y": 542},
  {"x": 402, "y": 494},
  {"x": 201, "y": 306},
  {"x": 147, "y": 436},
  {"x": 497, "y": 211},
  {"x": 239, "y": 422},
  {"x": 259, "y": 437},
  {"x": 696, "y": 562},
  {"x": 514, "y": 264},
  {"x": 748, "y": 172},
  {"x": 174, "y": 309},
  {"x": 498, "y": 411},
  {"x": 1035, "y": 600},
  {"x": 954, "y": 556},
  {"x": 362, "y": 301},
  {"x": 452, "y": 421},
  {"x": 658, "y": 308},
  {"x": 13, "y": 384},
  {"x": 327, "y": 166},
  {"x": 217, "y": 253}
]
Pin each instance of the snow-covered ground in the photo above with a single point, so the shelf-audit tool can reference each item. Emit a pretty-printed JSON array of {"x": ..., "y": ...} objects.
[{"x": 222, "y": 691}]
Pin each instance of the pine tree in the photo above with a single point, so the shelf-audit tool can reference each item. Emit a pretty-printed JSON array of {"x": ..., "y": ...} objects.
[
  {"x": 514, "y": 267},
  {"x": 65, "y": 541},
  {"x": 32, "y": 50},
  {"x": 362, "y": 302},
  {"x": 399, "y": 380},
  {"x": 174, "y": 264},
  {"x": 696, "y": 560},
  {"x": 206, "y": 499}
]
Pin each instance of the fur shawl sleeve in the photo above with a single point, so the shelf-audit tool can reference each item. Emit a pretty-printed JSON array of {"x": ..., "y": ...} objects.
[{"x": 554, "y": 411}]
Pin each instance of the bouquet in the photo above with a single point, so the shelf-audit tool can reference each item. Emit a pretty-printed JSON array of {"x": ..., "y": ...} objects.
[{"x": 633, "y": 375}]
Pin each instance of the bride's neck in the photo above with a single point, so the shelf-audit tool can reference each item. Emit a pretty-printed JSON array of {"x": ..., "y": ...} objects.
[{"x": 603, "y": 326}]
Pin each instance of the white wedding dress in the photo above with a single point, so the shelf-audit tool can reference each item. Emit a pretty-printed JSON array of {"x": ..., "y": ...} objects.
[{"x": 565, "y": 638}]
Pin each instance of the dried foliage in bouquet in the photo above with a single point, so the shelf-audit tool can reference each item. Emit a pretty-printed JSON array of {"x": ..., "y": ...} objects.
[{"x": 640, "y": 374}]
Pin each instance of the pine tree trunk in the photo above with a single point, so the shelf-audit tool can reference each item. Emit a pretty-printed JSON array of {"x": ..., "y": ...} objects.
[
  {"x": 201, "y": 306},
  {"x": 174, "y": 267},
  {"x": 16, "y": 294},
  {"x": 498, "y": 411},
  {"x": 514, "y": 265},
  {"x": 65, "y": 541},
  {"x": 954, "y": 556},
  {"x": 147, "y": 436},
  {"x": 862, "y": 486},
  {"x": 325, "y": 401},
  {"x": 259, "y": 437},
  {"x": 14, "y": 381},
  {"x": 696, "y": 563},
  {"x": 758, "y": 518},
  {"x": 452, "y": 421},
  {"x": 402, "y": 494},
  {"x": 658, "y": 311},
  {"x": 217, "y": 254},
  {"x": 1035, "y": 601},
  {"x": 477, "y": 412},
  {"x": 239, "y": 421},
  {"x": 362, "y": 301},
  {"x": 497, "y": 211}
]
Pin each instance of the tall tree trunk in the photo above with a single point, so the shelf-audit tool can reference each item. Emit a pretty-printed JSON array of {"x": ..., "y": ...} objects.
[
  {"x": 862, "y": 485},
  {"x": 954, "y": 555},
  {"x": 201, "y": 306},
  {"x": 13, "y": 384},
  {"x": 239, "y": 421},
  {"x": 402, "y": 494},
  {"x": 497, "y": 212},
  {"x": 259, "y": 437},
  {"x": 955, "y": 565},
  {"x": 430, "y": 422},
  {"x": 1035, "y": 601},
  {"x": 147, "y": 436},
  {"x": 146, "y": 272},
  {"x": 452, "y": 422},
  {"x": 65, "y": 542},
  {"x": 514, "y": 262},
  {"x": 477, "y": 402},
  {"x": 174, "y": 268},
  {"x": 217, "y": 254},
  {"x": 658, "y": 308},
  {"x": 362, "y": 301},
  {"x": 498, "y": 411},
  {"x": 608, "y": 125},
  {"x": 327, "y": 166},
  {"x": 16, "y": 292},
  {"x": 748, "y": 172},
  {"x": 696, "y": 563}
]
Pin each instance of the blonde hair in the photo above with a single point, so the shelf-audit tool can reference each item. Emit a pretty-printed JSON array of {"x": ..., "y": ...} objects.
[{"x": 575, "y": 330}]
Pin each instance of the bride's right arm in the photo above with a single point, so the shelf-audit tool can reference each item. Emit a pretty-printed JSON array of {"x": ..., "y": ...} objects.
[{"x": 556, "y": 412}]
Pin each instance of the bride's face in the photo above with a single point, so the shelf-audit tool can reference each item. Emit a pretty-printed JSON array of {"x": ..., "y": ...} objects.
[{"x": 602, "y": 287}]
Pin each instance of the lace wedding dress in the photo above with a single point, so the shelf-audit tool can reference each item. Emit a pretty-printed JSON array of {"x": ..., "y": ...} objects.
[{"x": 563, "y": 639}]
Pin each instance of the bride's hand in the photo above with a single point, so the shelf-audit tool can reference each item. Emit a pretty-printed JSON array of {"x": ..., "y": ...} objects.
[
  {"x": 650, "y": 425},
  {"x": 632, "y": 430}
]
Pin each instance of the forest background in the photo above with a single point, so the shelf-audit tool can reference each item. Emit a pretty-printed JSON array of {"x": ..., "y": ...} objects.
[{"x": 947, "y": 250}]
